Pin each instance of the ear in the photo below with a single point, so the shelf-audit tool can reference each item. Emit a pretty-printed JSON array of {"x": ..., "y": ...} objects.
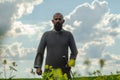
[
  {"x": 63, "y": 21},
  {"x": 52, "y": 21}
]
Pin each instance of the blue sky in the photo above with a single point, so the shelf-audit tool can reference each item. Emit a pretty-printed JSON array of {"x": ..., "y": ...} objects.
[
  {"x": 44, "y": 11},
  {"x": 95, "y": 25}
]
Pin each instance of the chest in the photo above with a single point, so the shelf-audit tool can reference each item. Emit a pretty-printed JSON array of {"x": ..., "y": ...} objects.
[{"x": 57, "y": 39}]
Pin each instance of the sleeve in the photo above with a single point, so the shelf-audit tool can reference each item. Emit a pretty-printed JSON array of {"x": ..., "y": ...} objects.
[
  {"x": 40, "y": 52},
  {"x": 73, "y": 47}
]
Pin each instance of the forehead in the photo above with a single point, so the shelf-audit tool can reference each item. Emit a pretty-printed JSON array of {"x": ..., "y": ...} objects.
[{"x": 57, "y": 16}]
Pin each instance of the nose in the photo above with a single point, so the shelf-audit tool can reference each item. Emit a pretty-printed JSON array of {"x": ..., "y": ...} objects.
[{"x": 57, "y": 20}]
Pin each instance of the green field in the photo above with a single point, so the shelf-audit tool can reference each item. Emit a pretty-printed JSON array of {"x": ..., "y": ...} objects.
[
  {"x": 110, "y": 77},
  {"x": 56, "y": 74}
]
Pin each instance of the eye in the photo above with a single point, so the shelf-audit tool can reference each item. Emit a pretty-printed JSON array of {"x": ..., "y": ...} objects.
[{"x": 57, "y": 19}]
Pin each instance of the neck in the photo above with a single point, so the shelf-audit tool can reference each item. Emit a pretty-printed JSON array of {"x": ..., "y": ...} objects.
[{"x": 57, "y": 31}]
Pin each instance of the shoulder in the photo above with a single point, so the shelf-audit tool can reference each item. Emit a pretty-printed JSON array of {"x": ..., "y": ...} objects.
[
  {"x": 67, "y": 32},
  {"x": 46, "y": 32}
]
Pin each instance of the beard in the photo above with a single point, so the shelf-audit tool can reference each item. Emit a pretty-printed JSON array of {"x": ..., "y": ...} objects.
[{"x": 58, "y": 26}]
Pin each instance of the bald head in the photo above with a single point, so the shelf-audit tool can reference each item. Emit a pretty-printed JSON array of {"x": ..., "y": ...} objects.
[{"x": 58, "y": 14}]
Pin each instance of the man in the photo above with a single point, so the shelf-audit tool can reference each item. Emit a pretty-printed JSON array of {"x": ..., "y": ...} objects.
[{"x": 57, "y": 42}]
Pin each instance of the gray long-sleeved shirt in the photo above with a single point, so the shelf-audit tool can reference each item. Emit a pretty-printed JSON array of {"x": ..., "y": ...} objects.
[{"x": 57, "y": 44}]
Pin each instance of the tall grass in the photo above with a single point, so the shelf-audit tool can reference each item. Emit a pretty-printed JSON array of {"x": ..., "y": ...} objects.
[
  {"x": 56, "y": 74},
  {"x": 12, "y": 69}
]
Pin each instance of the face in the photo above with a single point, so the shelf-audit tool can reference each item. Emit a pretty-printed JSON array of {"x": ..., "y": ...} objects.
[{"x": 58, "y": 22}]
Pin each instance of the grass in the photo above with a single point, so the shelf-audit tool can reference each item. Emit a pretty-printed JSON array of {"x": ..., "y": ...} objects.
[
  {"x": 108, "y": 77},
  {"x": 51, "y": 75}
]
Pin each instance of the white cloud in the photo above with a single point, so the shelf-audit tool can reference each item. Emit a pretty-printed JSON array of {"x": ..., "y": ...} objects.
[
  {"x": 18, "y": 28},
  {"x": 107, "y": 56},
  {"x": 88, "y": 15},
  {"x": 68, "y": 27},
  {"x": 94, "y": 49},
  {"x": 10, "y": 10},
  {"x": 16, "y": 51},
  {"x": 94, "y": 28},
  {"x": 25, "y": 7},
  {"x": 77, "y": 23}
]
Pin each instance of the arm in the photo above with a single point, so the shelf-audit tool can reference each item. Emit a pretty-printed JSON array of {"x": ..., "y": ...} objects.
[
  {"x": 73, "y": 48},
  {"x": 40, "y": 53}
]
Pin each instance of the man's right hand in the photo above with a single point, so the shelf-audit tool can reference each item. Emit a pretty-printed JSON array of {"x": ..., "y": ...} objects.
[{"x": 38, "y": 71}]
